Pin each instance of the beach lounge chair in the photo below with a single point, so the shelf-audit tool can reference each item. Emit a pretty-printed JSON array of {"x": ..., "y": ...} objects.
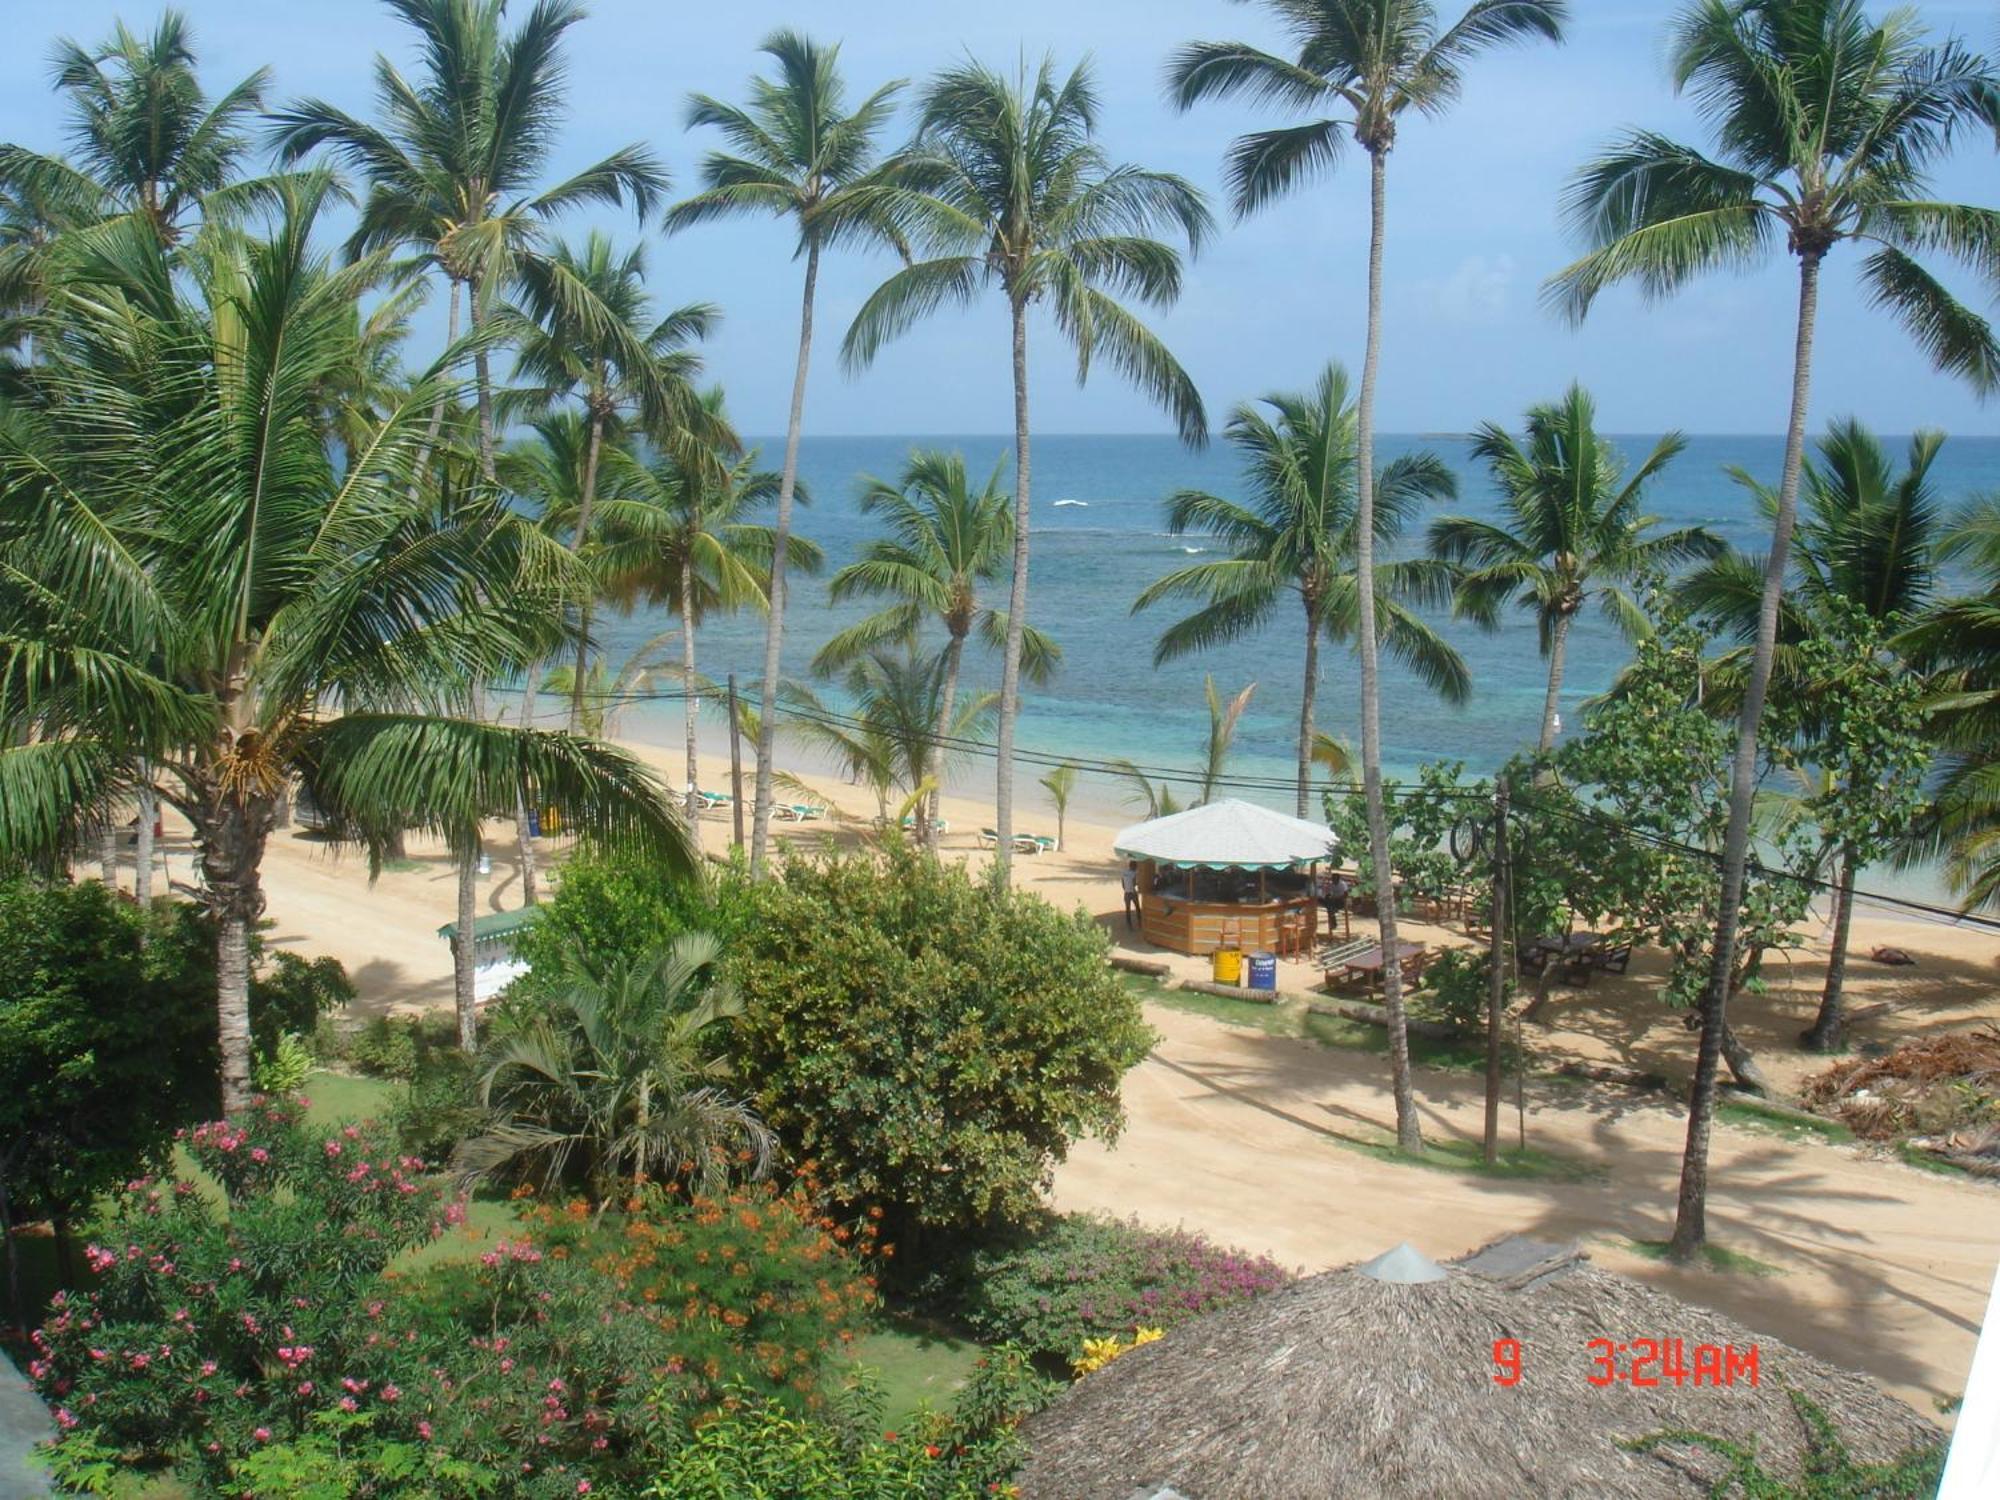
[
  {"x": 711, "y": 801},
  {"x": 798, "y": 812},
  {"x": 943, "y": 825},
  {"x": 989, "y": 838}
]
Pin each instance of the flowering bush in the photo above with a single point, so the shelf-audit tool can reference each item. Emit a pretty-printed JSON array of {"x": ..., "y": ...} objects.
[
  {"x": 1097, "y": 1353},
  {"x": 1083, "y": 1278}
]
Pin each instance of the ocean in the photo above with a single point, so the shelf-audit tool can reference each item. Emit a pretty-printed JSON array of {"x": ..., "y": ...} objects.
[{"x": 1099, "y": 538}]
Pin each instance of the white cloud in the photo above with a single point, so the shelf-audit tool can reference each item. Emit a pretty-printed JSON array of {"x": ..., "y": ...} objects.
[{"x": 1477, "y": 292}]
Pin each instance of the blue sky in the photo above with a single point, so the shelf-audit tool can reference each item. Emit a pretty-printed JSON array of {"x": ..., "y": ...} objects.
[{"x": 1473, "y": 221}]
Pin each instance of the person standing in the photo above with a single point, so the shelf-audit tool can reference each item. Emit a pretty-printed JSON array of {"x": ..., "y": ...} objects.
[{"x": 1130, "y": 879}]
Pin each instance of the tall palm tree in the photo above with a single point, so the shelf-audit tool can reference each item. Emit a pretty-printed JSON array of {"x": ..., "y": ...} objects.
[
  {"x": 944, "y": 541},
  {"x": 1359, "y": 66},
  {"x": 1572, "y": 530},
  {"x": 796, "y": 152},
  {"x": 453, "y": 167},
  {"x": 678, "y": 535},
  {"x": 1827, "y": 122},
  {"x": 1299, "y": 536},
  {"x": 1866, "y": 538},
  {"x": 618, "y": 1080},
  {"x": 1008, "y": 188},
  {"x": 587, "y": 335},
  {"x": 147, "y": 141},
  {"x": 192, "y": 592}
]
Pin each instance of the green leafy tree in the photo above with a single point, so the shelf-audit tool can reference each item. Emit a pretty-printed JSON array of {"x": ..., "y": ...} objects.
[
  {"x": 1863, "y": 567},
  {"x": 1572, "y": 531},
  {"x": 798, "y": 153},
  {"x": 932, "y": 1043},
  {"x": 1298, "y": 536},
  {"x": 944, "y": 541},
  {"x": 452, "y": 170},
  {"x": 1006, "y": 187},
  {"x": 193, "y": 593},
  {"x": 679, "y": 535},
  {"x": 1361, "y": 66},
  {"x": 1828, "y": 122},
  {"x": 614, "y": 1077},
  {"x": 1060, "y": 784}
]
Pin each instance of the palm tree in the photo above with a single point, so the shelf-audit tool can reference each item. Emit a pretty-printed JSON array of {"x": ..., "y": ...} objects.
[
  {"x": 1572, "y": 530},
  {"x": 148, "y": 141},
  {"x": 1298, "y": 536},
  {"x": 944, "y": 541},
  {"x": 615, "y": 1078},
  {"x": 198, "y": 595},
  {"x": 1222, "y": 721},
  {"x": 1866, "y": 539},
  {"x": 678, "y": 536},
  {"x": 1008, "y": 188},
  {"x": 586, "y": 335},
  {"x": 796, "y": 153},
  {"x": 1827, "y": 121},
  {"x": 1360, "y": 66},
  {"x": 452, "y": 169},
  {"x": 1061, "y": 785}
]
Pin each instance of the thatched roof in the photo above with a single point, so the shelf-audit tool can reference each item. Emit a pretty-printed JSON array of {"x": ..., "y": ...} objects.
[{"x": 1344, "y": 1385}]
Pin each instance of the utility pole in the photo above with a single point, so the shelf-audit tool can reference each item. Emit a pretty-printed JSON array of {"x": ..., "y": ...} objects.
[
  {"x": 735, "y": 762},
  {"x": 1496, "y": 978}
]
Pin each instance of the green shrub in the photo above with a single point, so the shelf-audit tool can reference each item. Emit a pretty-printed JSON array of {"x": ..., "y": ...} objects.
[
  {"x": 441, "y": 1107},
  {"x": 291, "y": 995},
  {"x": 1084, "y": 1277},
  {"x": 283, "y": 1070},
  {"x": 399, "y": 1046},
  {"x": 932, "y": 1045},
  {"x": 1454, "y": 989}
]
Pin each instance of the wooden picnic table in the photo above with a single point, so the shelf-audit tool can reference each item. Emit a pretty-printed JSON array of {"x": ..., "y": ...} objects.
[{"x": 1368, "y": 966}]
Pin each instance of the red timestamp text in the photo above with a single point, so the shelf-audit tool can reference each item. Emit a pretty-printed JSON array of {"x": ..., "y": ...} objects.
[{"x": 1642, "y": 1362}]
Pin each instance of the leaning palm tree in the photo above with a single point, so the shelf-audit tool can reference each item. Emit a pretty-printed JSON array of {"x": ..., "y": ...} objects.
[
  {"x": 452, "y": 170},
  {"x": 1009, "y": 189},
  {"x": 193, "y": 593},
  {"x": 1866, "y": 540},
  {"x": 1572, "y": 530},
  {"x": 679, "y": 536},
  {"x": 147, "y": 140},
  {"x": 944, "y": 541},
  {"x": 587, "y": 335},
  {"x": 1299, "y": 536},
  {"x": 797, "y": 153},
  {"x": 1360, "y": 67},
  {"x": 1827, "y": 121},
  {"x": 616, "y": 1079}
]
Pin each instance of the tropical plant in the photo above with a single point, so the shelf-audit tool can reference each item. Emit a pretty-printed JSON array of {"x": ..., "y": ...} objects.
[
  {"x": 1298, "y": 536},
  {"x": 452, "y": 169},
  {"x": 1156, "y": 797},
  {"x": 944, "y": 541},
  {"x": 796, "y": 153},
  {"x": 586, "y": 335},
  {"x": 678, "y": 535},
  {"x": 1828, "y": 121},
  {"x": 1865, "y": 544},
  {"x": 1361, "y": 65},
  {"x": 193, "y": 593},
  {"x": 1006, "y": 186},
  {"x": 1572, "y": 530},
  {"x": 612, "y": 1079},
  {"x": 149, "y": 143},
  {"x": 1222, "y": 721},
  {"x": 1060, "y": 784}
]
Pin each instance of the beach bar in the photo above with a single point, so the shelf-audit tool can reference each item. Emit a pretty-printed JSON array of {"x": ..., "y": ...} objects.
[{"x": 1227, "y": 875}]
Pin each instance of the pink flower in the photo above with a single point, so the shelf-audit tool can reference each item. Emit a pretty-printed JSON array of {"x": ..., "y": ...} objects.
[
  {"x": 332, "y": 1148},
  {"x": 424, "y": 1431},
  {"x": 99, "y": 1259},
  {"x": 347, "y": 1403},
  {"x": 305, "y": 1387},
  {"x": 391, "y": 1392},
  {"x": 583, "y": 1486},
  {"x": 262, "y": 1434},
  {"x": 63, "y": 1418}
]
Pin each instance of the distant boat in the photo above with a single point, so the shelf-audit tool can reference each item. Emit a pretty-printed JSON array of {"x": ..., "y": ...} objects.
[{"x": 1083, "y": 504}]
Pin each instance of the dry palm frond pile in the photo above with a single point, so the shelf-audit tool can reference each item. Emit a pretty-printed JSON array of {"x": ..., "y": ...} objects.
[{"x": 1943, "y": 1088}]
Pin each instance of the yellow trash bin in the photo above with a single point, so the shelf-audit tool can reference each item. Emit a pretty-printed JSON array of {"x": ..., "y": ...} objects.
[{"x": 1229, "y": 966}]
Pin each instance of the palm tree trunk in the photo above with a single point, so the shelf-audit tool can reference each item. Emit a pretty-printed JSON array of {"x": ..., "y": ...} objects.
[
  {"x": 584, "y": 503},
  {"x": 1409, "y": 1136},
  {"x": 1017, "y": 607},
  {"x": 693, "y": 805},
  {"x": 1311, "y": 691},
  {"x": 1825, "y": 1033},
  {"x": 107, "y": 848},
  {"x": 1558, "y": 643},
  {"x": 947, "y": 705},
  {"x": 482, "y": 366},
  {"x": 1691, "y": 1218},
  {"x": 774, "y": 630},
  {"x": 464, "y": 962},
  {"x": 230, "y": 832},
  {"x": 142, "y": 849},
  {"x": 437, "y": 406},
  {"x": 530, "y": 896}
]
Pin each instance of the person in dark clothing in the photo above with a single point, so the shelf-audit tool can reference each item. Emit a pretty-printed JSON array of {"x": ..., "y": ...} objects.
[{"x": 1130, "y": 879}]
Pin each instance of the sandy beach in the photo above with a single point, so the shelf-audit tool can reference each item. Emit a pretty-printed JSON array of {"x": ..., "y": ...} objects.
[{"x": 1250, "y": 1137}]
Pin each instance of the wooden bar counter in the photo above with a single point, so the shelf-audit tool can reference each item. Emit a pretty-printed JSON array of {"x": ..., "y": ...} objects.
[{"x": 1170, "y": 918}]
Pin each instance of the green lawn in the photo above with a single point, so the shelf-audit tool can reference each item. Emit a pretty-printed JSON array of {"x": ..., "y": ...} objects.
[
  {"x": 915, "y": 1366},
  {"x": 1717, "y": 1257},
  {"x": 1754, "y": 1115},
  {"x": 348, "y": 1096}
]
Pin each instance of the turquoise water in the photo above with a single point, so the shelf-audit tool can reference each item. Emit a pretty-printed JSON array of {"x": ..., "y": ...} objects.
[{"x": 1091, "y": 560}]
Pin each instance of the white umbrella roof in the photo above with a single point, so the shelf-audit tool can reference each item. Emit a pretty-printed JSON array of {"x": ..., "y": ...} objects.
[{"x": 1228, "y": 835}]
